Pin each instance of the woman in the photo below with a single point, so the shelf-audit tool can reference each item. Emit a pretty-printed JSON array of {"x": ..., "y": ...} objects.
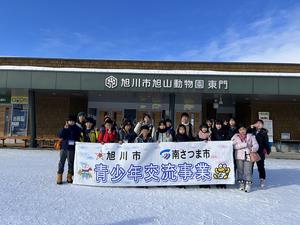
[
  {"x": 243, "y": 144},
  {"x": 261, "y": 135}
]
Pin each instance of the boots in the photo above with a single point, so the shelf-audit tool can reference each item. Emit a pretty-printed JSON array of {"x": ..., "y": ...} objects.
[
  {"x": 248, "y": 187},
  {"x": 69, "y": 178},
  {"x": 59, "y": 178},
  {"x": 242, "y": 185},
  {"x": 262, "y": 183}
]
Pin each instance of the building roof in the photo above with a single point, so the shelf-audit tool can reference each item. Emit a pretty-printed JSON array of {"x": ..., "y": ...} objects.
[{"x": 153, "y": 65}]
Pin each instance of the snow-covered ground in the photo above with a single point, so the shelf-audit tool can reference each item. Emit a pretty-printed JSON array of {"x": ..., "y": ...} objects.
[{"x": 29, "y": 195}]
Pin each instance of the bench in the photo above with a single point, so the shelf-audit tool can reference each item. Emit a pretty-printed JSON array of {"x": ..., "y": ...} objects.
[
  {"x": 2, "y": 139},
  {"x": 47, "y": 141},
  {"x": 25, "y": 139}
]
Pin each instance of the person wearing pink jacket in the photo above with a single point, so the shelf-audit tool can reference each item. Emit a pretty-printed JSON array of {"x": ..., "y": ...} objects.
[{"x": 243, "y": 144}]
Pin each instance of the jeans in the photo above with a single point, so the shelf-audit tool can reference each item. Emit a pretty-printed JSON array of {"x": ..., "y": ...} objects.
[
  {"x": 244, "y": 170},
  {"x": 69, "y": 155}
]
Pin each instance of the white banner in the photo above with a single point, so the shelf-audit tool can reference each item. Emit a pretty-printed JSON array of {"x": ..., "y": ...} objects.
[{"x": 154, "y": 164}]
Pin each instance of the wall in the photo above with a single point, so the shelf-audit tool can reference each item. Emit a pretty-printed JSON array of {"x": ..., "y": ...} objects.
[
  {"x": 52, "y": 111},
  {"x": 285, "y": 116}
]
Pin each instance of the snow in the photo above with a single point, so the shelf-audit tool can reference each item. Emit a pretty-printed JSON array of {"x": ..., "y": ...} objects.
[
  {"x": 29, "y": 195},
  {"x": 150, "y": 71}
]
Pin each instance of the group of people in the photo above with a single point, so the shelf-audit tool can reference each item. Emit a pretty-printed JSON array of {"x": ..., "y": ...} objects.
[{"x": 245, "y": 140}]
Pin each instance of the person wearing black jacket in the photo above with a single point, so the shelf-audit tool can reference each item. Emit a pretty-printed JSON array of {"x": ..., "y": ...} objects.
[
  {"x": 181, "y": 135},
  {"x": 262, "y": 138},
  {"x": 126, "y": 133},
  {"x": 231, "y": 129},
  {"x": 70, "y": 134},
  {"x": 218, "y": 133}
]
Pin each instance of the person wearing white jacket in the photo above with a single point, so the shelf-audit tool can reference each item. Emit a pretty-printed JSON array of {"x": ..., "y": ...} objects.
[{"x": 243, "y": 144}]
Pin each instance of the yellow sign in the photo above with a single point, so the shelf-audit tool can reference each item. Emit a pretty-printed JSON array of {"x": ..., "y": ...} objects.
[{"x": 19, "y": 100}]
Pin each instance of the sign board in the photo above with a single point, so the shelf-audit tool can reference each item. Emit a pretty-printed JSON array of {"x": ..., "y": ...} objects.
[
  {"x": 264, "y": 115},
  {"x": 112, "y": 82},
  {"x": 154, "y": 164},
  {"x": 19, "y": 99}
]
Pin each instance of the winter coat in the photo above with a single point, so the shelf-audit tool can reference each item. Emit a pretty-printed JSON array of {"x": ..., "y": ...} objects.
[
  {"x": 127, "y": 136},
  {"x": 163, "y": 136},
  {"x": 138, "y": 126},
  {"x": 182, "y": 138},
  {"x": 262, "y": 140},
  {"x": 203, "y": 136},
  {"x": 172, "y": 132},
  {"x": 108, "y": 137},
  {"x": 243, "y": 148},
  {"x": 81, "y": 126},
  {"x": 218, "y": 135},
  {"x": 140, "y": 139},
  {"x": 89, "y": 135},
  {"x": 69, "y": 136},
  {"x": 230, "y": 131}
]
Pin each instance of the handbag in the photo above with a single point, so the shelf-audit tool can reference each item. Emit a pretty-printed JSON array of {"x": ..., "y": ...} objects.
[{"x": 254, "y": 157}]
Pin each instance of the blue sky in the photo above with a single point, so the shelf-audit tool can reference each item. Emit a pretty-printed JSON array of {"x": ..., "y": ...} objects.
[{"x": 224, "y": 30}]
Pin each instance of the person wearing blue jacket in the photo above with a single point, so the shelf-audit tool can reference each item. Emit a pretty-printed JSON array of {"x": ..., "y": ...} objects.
[{"x": 70, "y": 134}]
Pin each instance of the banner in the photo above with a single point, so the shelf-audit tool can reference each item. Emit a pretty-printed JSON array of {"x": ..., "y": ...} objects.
[{"x": 154, "y": 164}]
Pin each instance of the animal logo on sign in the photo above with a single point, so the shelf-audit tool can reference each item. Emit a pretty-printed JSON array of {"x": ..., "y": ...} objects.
[
  {"x": 165, "y": 153},
  {"x": 222, "y": 171}
]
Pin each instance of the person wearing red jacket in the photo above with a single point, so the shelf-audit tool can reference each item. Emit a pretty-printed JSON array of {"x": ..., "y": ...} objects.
[{"x": 109, "y": 135}]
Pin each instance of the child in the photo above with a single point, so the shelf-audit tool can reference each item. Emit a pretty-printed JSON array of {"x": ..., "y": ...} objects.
[
  {"x": 170, "y": 128},
  {"x": 162, "y": 134},
  {"x": 109, "y": 134},
  {"x": 210, "y": 125},
  {"x": 181, "y": 135},
  {"x": 218, "y": 133},
  {"x": 69, "y": 135},
  {"x": 126, "y": 133},
  {"x": 145, "y": 121},
  {"x": 89, "y": 134},
  {"x": 185, "y": 120},
  {"x": 243, "y": 144},
  {"x": 81, "y": 118},
  {"x": 144, "y": 136},
  {"x": 231, "y": 129},
  {"x": 204, "y": 134}
]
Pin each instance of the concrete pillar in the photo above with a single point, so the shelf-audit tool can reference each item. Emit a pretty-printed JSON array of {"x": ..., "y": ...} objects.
[{"x": 32, "y": 118}]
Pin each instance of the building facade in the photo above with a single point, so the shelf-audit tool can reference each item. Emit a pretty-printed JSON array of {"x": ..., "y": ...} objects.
[{"x": 36, "y": 94}]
